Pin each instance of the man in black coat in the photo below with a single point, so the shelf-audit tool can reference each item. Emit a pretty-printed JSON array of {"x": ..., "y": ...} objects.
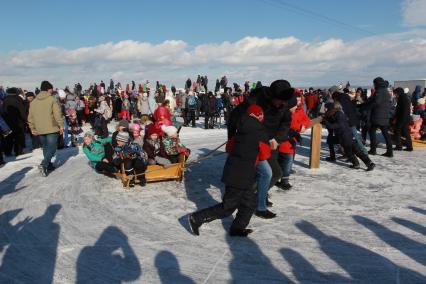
[
  {"x": 380, "y": 105},
  {"x": 402, "y": 116},
  {"x": 15, "y": 115},
  {"x": 349, "y": 108},
  {"x": 239, "y": 177},
  {"x": 277, "y": 118}
]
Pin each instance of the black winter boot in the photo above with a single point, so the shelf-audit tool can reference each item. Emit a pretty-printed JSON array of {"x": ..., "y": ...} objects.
[
  {"x": 194, "y": 225},
  {"x": 240, "y": 232}
]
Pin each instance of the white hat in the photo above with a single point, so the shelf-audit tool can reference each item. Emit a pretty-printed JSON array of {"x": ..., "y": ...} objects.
[
  {"x": 61, "y": 93},
  {"x": 169, "y": 130},
  {"x": 406, "y": 90}
]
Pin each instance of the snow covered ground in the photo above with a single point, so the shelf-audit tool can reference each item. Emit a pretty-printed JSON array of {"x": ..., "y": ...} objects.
[{"x": 336, "y": 226}]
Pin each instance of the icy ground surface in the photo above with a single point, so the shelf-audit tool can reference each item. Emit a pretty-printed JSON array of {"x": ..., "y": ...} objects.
[{"x": 336, "y": 225}]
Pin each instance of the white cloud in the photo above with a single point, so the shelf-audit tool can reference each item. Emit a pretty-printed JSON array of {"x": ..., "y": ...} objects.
[
  {"x": 397, "y": 56},
  {"x": 413, "y": 12}
]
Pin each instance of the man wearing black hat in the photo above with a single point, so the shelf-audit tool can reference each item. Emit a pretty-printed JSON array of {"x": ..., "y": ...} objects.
[
  {"x": 15, "y": 115},
  {"x": 274, "y": 101},
  {"x": 45, "y": 121}
]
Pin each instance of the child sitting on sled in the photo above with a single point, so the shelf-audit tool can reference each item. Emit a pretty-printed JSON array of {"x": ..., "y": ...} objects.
[
  {"x": 172, "y": 144},
  {"x": 132, "y": 155},
  {"x": 99, "y": 152},
  {"x": 154, "y": 147}
]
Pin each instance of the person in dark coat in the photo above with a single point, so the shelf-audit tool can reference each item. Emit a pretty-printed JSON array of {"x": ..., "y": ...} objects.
[
  {"x": 210, "y": 110},
  {"x": 402, "y": 120},
  {"x": 277, "y": 118},
  {"x": 15, "y": 115},
  {"x": 336, "y": 120},
  {"x": 239, "y": 177},
  {"x": 350, "y": 110},
  {"x": 380, "y": 105}
]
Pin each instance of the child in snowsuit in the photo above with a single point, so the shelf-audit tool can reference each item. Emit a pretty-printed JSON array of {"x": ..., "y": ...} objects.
[
  {"x": 134, "y": 157},
  {"x": 336, "y": 120},
  {"x": 172, "y": 144},
  {"x": 239, "y": 177},
  {"x": 154, "y": 147},
  {"x": 99, "y": 153}
]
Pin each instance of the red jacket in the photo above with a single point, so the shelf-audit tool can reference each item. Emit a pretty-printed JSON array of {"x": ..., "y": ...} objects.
[
  {"x": 298, "y": 119},
  {"x": 311, "y": 101},
  {"x": 264, "y": 150}
]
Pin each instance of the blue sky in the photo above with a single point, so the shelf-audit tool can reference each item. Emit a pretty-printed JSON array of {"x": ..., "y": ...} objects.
[
  {"x": 72, "y": 24},
  {"x": 305, "y": 41}
]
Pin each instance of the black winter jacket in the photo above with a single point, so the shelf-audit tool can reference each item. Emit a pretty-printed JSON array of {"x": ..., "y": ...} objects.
[
  {"x": 349, "y": 108},
  {"x": 403, "y": 108},
  {"x": 240, "y": 166}
]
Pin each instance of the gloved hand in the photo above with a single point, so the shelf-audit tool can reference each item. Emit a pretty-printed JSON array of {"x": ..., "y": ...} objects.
[{"x": 294, "y": 135}]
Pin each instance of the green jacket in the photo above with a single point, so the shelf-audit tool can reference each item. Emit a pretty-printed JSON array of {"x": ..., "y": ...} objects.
[
  {"x": 95, "y": 151},
  {"x": 45, "y": 114}
]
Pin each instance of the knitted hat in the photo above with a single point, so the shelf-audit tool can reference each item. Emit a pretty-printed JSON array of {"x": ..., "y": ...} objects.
[
  {"x": 124, "y": 123},
  {"x": 88, "y": 134},
  {"x": 123, "y": 136},
  {"x": 169, "y": 130},
  {"x": 281, "y": 90},
  {"x": 29, "y": 94},
  {"x": 152, "y": 129},
  {"x": 45, "y": 86},
  {"x": 255, "y": 110},
  {"x": 406, "y": 90}
]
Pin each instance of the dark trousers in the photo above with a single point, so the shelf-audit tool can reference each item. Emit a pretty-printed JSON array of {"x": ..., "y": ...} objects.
[
  {"x": 191, "y": 117},
  {"x": 402, "y": 130},
  {"x": 103, "y": 128},
  {"x": 276, "y": 168},
  {"x": 330, "y": 143},
  {"x": 49, "y": 143},
  {"x": 353, "y": 151},
  {"x": 185, "y": 116},
  {"x": 208, "y": 120},
  {"x": 104, "y": 167},
  {"x": 15, "y": 141},
  {"x": 243, "y": 200},
  {"x": 385, "y": 133},
  {"x": 131, "y": 165}
]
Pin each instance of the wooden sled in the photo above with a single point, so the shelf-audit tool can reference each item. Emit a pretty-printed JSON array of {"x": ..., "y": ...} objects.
[
  {"x": 419, "y": 143},
  {"x": 155, "y": 173},
  {"x": 172, "y": 172}
]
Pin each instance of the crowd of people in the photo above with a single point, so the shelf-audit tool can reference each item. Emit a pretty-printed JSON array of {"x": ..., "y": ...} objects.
[{"x": 264, "y": 126}]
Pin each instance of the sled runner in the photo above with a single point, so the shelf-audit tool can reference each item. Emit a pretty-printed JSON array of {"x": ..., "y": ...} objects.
[{"x": 155, "y": 173}]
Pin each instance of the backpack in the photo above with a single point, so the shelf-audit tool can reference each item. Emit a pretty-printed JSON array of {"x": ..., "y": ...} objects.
[{"x": 191, "y": 102}]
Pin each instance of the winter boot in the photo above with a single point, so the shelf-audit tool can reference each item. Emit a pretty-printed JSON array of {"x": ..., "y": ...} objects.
[
  {"x": 372, "y": 152},
  {"x": 194, "y": 225},
  {"x": 240, "y": 232},
  {"x": 265, "y": 214},
  {"x": 268, "y": 202},
  {"x": 284, "y": 184},
  {"x": 354, "y": 161},
  {"x": 408, "y": 149},
  {"x": 370, "y": 167},
  {"x": 43, "y": 170},
  {"x": 388, "y": 154},
  {"x": 397, "y": 148}
]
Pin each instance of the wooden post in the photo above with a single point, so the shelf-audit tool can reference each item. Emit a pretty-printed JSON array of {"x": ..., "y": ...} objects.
[{"x": 316, "y": 134}]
